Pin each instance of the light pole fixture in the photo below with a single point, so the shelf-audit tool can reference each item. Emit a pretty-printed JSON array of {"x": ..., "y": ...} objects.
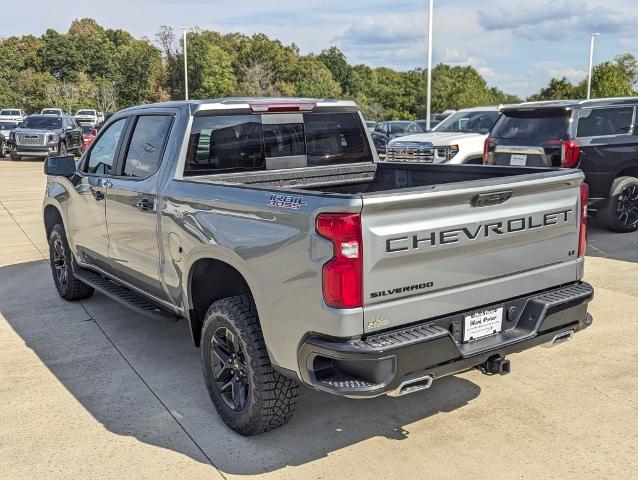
[
  {"x": 185, "y": 29},
  {"x": 428, "y": 100},
  {"x": 591, "y": 63}
]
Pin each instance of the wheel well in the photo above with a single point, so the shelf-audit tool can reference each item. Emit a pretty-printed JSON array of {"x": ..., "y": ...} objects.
[
  {"x": 209, "y": 281},
  {"x": 51, "y": 218},
  {"x": 474, "y": 161},
  {"x": 628, "y": 172}
]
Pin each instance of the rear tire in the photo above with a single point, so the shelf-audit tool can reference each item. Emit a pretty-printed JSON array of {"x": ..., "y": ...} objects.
[
  {"x": 248, "y": 394},
  {"x": 619, "y": 213},
  {"x": 63, "y": 265}
]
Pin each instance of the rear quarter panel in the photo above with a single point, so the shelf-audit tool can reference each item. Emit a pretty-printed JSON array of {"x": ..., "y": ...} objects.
[{"x": 275, "y": 249}]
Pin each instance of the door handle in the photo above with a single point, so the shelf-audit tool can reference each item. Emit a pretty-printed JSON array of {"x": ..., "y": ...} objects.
[{"x": 144, "y": 204}]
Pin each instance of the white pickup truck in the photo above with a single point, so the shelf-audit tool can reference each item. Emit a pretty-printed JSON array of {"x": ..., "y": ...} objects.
[{"x": 458, "y": 139}]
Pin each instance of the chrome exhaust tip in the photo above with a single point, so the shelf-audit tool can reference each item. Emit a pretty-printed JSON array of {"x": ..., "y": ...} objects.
[
  {"x": 413, "y": 385},
  {"x": 560, "y": 338}
]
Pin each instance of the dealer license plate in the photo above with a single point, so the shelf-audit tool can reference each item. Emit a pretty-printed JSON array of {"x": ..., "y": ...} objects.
[
  {"x": 518, "y": 160},
  {"x": 482, "y": 324}
]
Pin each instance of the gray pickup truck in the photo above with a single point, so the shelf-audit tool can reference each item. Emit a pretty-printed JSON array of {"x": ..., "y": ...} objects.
[{"x": 296, "y": 257}]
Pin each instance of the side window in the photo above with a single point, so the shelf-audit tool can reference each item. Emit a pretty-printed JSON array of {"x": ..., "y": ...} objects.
[
  {"x": 378, "y": 127},
  {"x": 597, "y": 122},
  {"x": 145, "y": 149},
  {"x": 102, "y": 153}
]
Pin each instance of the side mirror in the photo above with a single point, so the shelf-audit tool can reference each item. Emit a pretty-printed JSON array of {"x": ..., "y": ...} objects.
[{"x": 60, "y": 166}]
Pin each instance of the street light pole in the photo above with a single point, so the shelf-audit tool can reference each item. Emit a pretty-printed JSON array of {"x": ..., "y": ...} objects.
[
  {"x": 591, "y": 63},
  {"x": 428, "y": 100},
  {"x": 185, "y": 66}
]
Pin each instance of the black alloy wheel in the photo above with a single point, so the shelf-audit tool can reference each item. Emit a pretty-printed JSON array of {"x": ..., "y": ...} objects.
[
  {"x": 229, "y": 369},
  {"x": 59, "y": 262},
  {"x": 627, "y": 206}
]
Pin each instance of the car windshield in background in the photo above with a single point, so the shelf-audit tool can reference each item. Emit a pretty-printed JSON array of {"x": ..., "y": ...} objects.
[
  {"x": 226, "y": 144},
  {"x": 469, "y": 122},
  {"x": 541, "y": 125},
  {"x": 10, "y": 112},
  {"x": 45, "y": 123},
  {"x": 86, "y": 112},
  {"x": 8, "y": 125},
  {"x": 405, "y": 127}
]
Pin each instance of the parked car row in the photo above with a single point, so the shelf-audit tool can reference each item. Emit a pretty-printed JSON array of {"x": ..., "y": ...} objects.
[{"x": 52, "y": 132}]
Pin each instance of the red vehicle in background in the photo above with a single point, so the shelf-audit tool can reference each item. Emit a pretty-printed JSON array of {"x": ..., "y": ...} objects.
[{"x": 88, "y": 135}]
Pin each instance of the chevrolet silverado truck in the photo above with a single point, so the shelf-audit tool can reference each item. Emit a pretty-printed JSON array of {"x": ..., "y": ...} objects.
[{"x": 295, "y": 257}]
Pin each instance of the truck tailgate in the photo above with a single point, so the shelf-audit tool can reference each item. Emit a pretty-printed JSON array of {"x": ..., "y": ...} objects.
[{"x": 457, "y": 247}]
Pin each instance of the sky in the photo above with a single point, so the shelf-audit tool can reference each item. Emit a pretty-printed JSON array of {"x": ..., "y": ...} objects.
[{"x": 516, "y": 45}]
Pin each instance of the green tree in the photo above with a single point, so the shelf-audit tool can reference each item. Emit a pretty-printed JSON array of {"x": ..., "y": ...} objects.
[
  {"x": 210, "y": 68},
  {"x": 140, "y": 73},
  {"x": 311, "y": 78},
  {"x": 458, "y": 87},
  {"x": 557, "y": 89},
  {"x": 336, "y": 61}
]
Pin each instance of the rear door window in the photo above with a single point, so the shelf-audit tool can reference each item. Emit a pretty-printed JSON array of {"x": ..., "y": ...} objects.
[
  {"x": 599, "y": 122},
  {"x": 236, "y": 143},
  {"x": 144, "y": 152},
  {"x": 538, "y": 126}
]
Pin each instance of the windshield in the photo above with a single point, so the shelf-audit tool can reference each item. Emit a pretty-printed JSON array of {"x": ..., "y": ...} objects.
[
  {"x": 405, "y": 127},
  {"x": 45, "y": 123},
  {"x": 10, "y": 112},
  {"x": 86, "y": 112},
  {"x": 469, "y": 122},
  {"x": 50, "y": 111},
  {"x": 539, "y": 125},
  {"x": 8, "y": 125}
]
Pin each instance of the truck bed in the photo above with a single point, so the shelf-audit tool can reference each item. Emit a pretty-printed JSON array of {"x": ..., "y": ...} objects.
[{"x": 369, "y": 178}]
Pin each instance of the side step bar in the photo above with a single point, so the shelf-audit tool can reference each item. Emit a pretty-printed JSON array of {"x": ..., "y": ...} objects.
[{"x": 124, "y": 296}]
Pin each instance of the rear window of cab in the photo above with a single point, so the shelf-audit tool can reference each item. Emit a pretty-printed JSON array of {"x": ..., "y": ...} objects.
[{"x": 242, "y": 143}]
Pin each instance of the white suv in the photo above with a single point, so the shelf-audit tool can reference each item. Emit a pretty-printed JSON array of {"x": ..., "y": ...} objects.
[{"x": 457, "y": 139}]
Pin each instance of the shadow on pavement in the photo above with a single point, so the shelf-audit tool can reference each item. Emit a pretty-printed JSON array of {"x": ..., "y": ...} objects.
[
  {"x": 617, "y": 246},
  {"x": 143, "y": 379}
]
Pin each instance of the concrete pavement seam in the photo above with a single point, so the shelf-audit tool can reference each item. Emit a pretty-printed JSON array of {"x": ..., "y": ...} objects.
[
  {"x": 153, "y": 392},
  {"x": 22, "y": 229}
]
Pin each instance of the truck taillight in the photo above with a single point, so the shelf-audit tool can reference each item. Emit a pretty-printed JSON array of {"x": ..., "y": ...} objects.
[
  {"x": 488, "y": 151},
  {"x": 569, "y": 153},
  {"x": 582, "y": 232},
  {"x": 342, "y": 274}
]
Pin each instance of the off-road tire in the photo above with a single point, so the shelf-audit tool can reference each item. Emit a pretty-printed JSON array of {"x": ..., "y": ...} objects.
[
  {"x": 71, "y": 289},
  {"x": 15, "y": 157},
  {"x": 608, "y": 213},
  {"x": 271, "y": 397}
]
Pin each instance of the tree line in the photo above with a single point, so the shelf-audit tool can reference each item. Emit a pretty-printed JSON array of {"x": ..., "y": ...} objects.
[{"x": 95, "y": 67}]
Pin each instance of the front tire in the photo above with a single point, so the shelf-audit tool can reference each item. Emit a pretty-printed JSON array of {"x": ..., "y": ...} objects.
[
  {"x": 620, "y": 211},
  {"x": 15, "y": 157},
  {"x": 248, "y": 394},
  {"x": 62, "y": 265}
]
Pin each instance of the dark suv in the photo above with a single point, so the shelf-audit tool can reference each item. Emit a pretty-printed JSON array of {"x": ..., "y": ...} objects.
[
  {"x": 597, "y": 136},
  {"x": 45, "y": 135},
  {"x": 386, "y": 131}
]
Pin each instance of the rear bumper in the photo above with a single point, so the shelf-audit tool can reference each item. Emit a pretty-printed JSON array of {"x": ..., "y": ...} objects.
[{"x": 380, "y": 363}]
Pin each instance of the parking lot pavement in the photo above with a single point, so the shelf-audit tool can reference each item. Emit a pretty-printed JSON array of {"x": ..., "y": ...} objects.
[{"x": 90, "y": 390}]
